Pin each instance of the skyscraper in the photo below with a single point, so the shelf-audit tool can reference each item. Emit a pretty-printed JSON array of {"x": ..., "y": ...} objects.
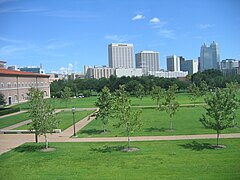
[
  {"x": 173, "y": 63},
  {"x": 120, "y": 55},
  {"x": 209, "y": 57},
  {"x": 147, "y": 61}
]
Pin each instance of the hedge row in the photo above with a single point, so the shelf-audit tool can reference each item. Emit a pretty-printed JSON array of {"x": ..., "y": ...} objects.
[{"x": 9, "y": 111}]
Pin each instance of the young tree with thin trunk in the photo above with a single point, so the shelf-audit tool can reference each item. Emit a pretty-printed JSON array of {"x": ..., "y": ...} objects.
[
  {"x": 232, "y": 89},
  {"x": 195, "y": 92},
  {"x": 104, "y": 103},
  {"x": 139, "y": 92},
  {"x": 170, "y": 105},
  {"x": 157, "y": 94},
  {"x": 42, "y": 114},
  {"x": 131, "y": 120},
  {"x": 219, "y": 111},
  {"x": 66, "y": 94}
]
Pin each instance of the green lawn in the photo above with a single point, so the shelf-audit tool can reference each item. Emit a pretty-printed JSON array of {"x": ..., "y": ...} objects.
[
  {"x": 8, "y": 121},
  {"x": 186, "y": 159},
  {"x": 65, "y": 118},
  {"x": 186, "y": 121}
]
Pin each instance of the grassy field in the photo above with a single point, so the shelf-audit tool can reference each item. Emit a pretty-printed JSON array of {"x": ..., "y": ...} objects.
[
  {"x": 65, "y": 119},
  {"x": 186, "y": 121},
  {"x": 186, "y": 159},
  {"x": 183, "y": 98},
  {"x": 8, "y": 121}
]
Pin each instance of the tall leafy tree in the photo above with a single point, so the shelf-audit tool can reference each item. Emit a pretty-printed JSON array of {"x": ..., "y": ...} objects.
[
  {"x": 66, "y": 94},
  {"x": 2, "y": 99},
  {"x": 104, "y": 103},
  {"x": 170, "y": 105},
  {"x": 131, "y": 120},
  {"x": 42, "y": 114},
  {"x": 219, "y": 111}
]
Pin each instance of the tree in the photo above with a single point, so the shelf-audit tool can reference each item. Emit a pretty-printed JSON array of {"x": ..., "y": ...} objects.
[
  {"x": 66, "y": 94},
  {"x": 104, "y": 103},
  {"x": 42, "y": 114},
  {"x": 232, "y": 89},
  {"x": 122, "y": 106},
  {"x": 195, "y": 91},
  {"x": 157, "y": 94},
  {"x": 139, "y": 92},
  {"x": 219, "y": 111},
  {"x": 171, "y": 105},
  {"x": 2, "y": 99}
]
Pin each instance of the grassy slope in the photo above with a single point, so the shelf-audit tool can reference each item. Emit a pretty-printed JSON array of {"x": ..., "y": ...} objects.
[
  {"x": 8, "y": 121},
  {"x": 66, "y": 119},
  {"x": 156, "y": 160},
  {"x": 186, "y": 121}
]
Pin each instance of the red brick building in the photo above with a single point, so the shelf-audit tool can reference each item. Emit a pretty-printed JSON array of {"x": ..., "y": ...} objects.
[{"x": 16, "y": 84}]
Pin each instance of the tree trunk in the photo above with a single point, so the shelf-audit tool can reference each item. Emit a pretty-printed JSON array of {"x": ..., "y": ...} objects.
[
  {"x": 36, "y": 137},
  {"x": 128, "y": 140},
  {"x": 46, "y": 141},
  {"x": 233, "y": 121},
  {"x": 104, "y": 128},
  {"x": 217, "y": 137},
  {"x": 170, "y": 121}
]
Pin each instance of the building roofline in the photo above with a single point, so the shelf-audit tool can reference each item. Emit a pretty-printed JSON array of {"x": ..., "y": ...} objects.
[{"x": 20, "y": 73}]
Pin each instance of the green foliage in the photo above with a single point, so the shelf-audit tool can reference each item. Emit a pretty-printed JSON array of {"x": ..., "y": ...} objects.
[
  {"x": 157, "y": 94},
  {"x": 2, "y": 99},
  {"x": 170, "y": 105},
  {"x": 104, "y": 103},
  {"x": 220, "y": 106},
  {"x": 122, "y": 107},
  {"x": 139, "y": 91},
  {"x": 66, "y": 94},
  {"x": 9, "y": 110},
  {"x": 42, "y": 114}
]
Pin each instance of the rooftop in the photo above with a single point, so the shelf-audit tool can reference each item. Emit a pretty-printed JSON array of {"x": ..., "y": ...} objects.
[{"x": 20, "y": 73}]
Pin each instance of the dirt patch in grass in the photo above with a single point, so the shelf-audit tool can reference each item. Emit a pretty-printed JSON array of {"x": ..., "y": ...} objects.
[
  {"x": 47, "y": 150},
  {"x": 130, "y": 149}
]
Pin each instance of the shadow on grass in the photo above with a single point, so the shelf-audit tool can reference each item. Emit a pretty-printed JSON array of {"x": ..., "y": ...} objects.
[
  {"x": 196, "y": 146},
  {"x": 152, "y": 129},
  {"x": 91, "y": 131},
  {"x": 29, "y": 148},
  {"x": 107, "y": 149}
]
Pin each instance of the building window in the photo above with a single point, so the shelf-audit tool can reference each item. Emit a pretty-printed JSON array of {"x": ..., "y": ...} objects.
[
  {"x": 15, "y": 85},
  {"x": 9, "y": 85},
  {"x": 22, "y": 96},
  {"x": 2, "y": 85},
  {"x": 15, "y": 98}
]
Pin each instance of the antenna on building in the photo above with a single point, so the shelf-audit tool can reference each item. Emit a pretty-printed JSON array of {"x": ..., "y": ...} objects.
[{"x": 41, "y": 66}]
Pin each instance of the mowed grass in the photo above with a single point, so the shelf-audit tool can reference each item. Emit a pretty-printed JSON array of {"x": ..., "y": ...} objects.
[
  {"x": 186, "y": 159},
  {"x": 89, "y": 102},
  {"x": 14, "y": 119},
  {"x": 155, "y": 123},
  {"x": 65, "y": 119}
]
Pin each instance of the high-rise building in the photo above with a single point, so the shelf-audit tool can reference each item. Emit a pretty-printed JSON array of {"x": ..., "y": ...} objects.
[
  {"x": 120, "y": 55},
  {"x": 99, "y": 72},
  {"x": 147, "y": 61},
  {"x": 209, "y": 57},
  {"x": 189, "y": 65},
  {"x": 173, "y": 63},
  {"x": 230, "y": 67}
]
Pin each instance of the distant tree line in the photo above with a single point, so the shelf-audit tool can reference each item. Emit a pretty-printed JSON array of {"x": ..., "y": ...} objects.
[{"x": 87, "y": 87}]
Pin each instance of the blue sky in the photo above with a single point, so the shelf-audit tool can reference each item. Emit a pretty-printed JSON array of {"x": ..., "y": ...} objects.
[{"x": 62, "y": 34}]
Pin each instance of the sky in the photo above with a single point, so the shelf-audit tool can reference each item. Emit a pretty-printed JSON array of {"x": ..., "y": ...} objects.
[{"x": 68, "y": 34}]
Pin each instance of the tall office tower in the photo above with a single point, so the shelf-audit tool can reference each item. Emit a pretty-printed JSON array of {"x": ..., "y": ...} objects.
[
  {"x": 191, "y": 66},
  {"x": 209, "y": 57},
  {"x": 173, "y": 63},
  {"x": 120, "y": 55},
  {"x": 147, "y": 61}
]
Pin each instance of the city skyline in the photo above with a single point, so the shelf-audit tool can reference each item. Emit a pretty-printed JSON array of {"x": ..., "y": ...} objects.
[{"x": 63, "y": 34}]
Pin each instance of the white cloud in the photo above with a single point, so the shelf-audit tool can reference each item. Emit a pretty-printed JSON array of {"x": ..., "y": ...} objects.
[
  {"x": 205, "y": 26},
  {"x": 8, "y": 40},
  {"x": 138, "y": 17},
  {"x": 116, "y": 38},
  {"x": 155, "y": 20},
  {"x": 167, "y": 33}
]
